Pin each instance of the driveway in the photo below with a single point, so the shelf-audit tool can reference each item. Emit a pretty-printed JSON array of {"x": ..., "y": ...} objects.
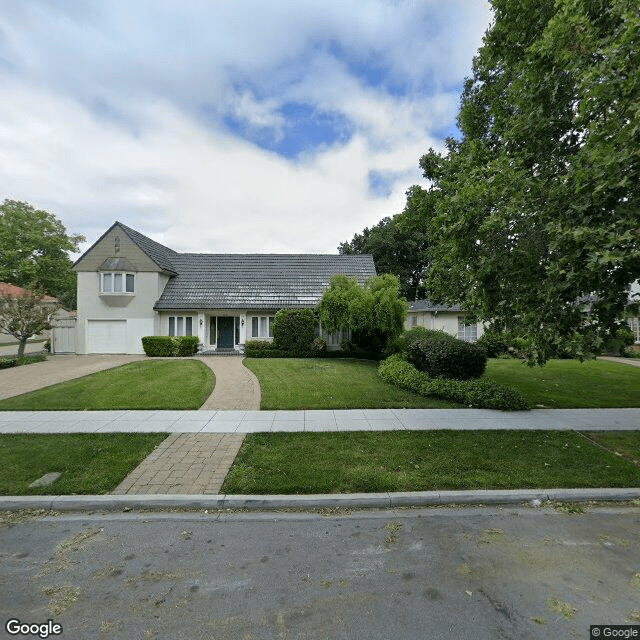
[{"x": 56, "y": 369}]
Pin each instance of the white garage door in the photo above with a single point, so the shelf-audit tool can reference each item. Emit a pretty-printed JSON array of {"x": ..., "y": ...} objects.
[{"x": 106, "y": 336}]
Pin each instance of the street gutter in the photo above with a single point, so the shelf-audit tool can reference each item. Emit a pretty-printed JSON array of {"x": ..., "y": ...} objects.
[{"x": 535, "y": 497}]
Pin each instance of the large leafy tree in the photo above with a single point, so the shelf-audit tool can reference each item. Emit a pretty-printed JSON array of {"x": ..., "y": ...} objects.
[
  {"x": 397, "y": 248},
  {"x": 536, "y": 207},
  {"x": 34, "y": 251}
]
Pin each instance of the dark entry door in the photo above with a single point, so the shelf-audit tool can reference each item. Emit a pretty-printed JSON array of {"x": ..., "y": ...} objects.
[{"x": 225, "y": 332}]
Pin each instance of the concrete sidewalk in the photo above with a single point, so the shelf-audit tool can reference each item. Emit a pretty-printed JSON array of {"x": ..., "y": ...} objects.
[{"x": 236, "y": 421}]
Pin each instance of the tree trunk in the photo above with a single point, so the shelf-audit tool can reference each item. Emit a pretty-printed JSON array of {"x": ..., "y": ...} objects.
[{"x": 21, "y": 346}]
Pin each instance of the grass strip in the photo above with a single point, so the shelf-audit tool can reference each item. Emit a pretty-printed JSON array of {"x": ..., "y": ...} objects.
[
  {"x": 622, "y": 443},
  {"x": 305, "y": 463},
  {"x": 146, "y": 384},
  {"x": 571, "y": 384},
  {"x": 316, "y": 383},
  {"x": 90, "y": 463}
]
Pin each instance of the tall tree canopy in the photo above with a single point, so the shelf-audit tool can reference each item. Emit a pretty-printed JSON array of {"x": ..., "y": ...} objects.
[
  {"x": 34, "y": 248},
  {"x": 536, "y": 206},
  {"x": 397, "y": 248}
]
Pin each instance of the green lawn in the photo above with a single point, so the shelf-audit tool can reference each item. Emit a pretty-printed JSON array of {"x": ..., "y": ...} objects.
[
  {"x": 571, "y": 384},
  {"x": 90, "y": 463},
  {"x": 147, "y": 384},
  {"x": 306, "y": 463},
  {"x": 290, "y": 383}
]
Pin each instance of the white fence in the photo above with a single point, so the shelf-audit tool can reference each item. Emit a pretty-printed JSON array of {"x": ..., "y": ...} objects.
[{"x": 63, "y": 335}]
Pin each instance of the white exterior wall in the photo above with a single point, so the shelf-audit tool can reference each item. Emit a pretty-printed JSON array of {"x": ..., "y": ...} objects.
[
  {"x": 135, "y": 309},
  {"x": 446, "y": 321},
  {"x": 634, "y": 321}
]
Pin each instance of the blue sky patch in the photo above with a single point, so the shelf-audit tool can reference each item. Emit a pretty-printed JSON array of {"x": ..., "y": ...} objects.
[
  {"x": 380, "y": 183},
  {"x": 304, "y": 130}
]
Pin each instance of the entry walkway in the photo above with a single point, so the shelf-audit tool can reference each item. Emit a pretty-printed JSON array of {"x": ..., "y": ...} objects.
[{"x": 236, "y": 387}]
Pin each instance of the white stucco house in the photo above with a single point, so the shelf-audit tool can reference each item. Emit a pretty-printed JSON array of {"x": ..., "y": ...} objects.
[
  {"x": 130, "y": 286},
  {"x": 423, "y": 313},
  {"x": 633, "y": 319}
]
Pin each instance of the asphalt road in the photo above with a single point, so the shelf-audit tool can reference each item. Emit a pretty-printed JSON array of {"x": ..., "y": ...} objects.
[{"x": 465, "y": 573}]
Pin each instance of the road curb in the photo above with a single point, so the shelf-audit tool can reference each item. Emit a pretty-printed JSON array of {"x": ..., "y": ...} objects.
[{"x": 330, "y": 501}]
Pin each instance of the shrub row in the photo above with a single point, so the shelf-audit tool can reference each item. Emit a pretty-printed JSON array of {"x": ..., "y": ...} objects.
[
  {"x": 264, "y": 349},
  {"x": 481, "y": 393},
  {"x": 169, "y": 346},
  {"x": 14, "y": 361}
]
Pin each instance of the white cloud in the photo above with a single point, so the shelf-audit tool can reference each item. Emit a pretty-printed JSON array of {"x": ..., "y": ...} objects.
[{"x": 103, "y": 113}]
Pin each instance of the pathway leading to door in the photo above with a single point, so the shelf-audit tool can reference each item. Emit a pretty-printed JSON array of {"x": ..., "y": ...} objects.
[
  {"x": 198, "y": 463},
  {"x": 236, "y": 387}
]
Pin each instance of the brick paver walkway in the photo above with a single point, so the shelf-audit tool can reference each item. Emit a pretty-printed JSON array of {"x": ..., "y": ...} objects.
[
  {"x": 185, "y": 463},
  {"x": 198, "y": 463}
]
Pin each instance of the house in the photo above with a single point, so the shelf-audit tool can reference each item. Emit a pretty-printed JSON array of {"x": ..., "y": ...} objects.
[
  {"x": 423, "y": 313},
  {"x": 130, "y": 286},
  {"x": 632, "y": 316}
]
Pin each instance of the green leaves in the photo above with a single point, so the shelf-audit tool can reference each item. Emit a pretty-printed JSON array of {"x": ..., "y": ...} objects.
[
  {"x": 34, "y": 247},
  {"x": 537, "y": 206},
  {"x": 374, "y": 313}
]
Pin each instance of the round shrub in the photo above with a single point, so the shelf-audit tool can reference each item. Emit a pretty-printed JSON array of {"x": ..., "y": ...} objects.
[
  {"x": 494, "y": 343},
  {"x": 402, "y": 343},
  {"x": 448, "y": 358}
]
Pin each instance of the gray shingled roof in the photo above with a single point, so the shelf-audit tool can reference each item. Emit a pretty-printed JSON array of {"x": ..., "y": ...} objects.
[
  {"x": 256, "y": 281},
  {"x": 161, "y": 255},
  {"x": 427, "y": 305}
]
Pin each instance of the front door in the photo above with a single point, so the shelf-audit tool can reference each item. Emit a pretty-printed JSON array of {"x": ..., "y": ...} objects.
[{"x": 225, "y": 332}]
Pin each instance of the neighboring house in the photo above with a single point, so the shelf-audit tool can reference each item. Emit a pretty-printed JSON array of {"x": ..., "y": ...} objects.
[
  {"x": 634, "y": 320},
  {"x": 130, "y": 286},
  {"x": 423, "y": 313},
  {"x": 13, "y": 290}
]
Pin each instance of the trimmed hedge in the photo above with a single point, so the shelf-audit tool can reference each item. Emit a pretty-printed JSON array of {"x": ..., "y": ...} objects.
[
  {"x": 14, "y": 361},
  {"x": 443, "y": 356},
  {"x": 294, "y": 330},
  {"x": 264, "y": 349},
  {"x": 481, "y": 393},
  {"x": 169, "y": 346}
]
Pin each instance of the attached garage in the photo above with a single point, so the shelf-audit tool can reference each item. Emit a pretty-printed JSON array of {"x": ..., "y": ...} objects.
[{"x": 106, "y": 336}]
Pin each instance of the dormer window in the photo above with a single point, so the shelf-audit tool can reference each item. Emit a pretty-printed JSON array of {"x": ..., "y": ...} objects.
[{"x": 117, "y": 282}]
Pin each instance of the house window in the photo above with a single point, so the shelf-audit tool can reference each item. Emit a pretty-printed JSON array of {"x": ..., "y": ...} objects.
[
  {"x": 262, "y": 327},
  {"x": 467, "y": 332},
  {"x": 180, "y": 326},
  {"x": 114, "y": 282}
]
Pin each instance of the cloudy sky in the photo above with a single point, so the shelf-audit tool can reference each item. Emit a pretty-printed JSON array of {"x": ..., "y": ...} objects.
[{"x": 228, "y": 125}]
